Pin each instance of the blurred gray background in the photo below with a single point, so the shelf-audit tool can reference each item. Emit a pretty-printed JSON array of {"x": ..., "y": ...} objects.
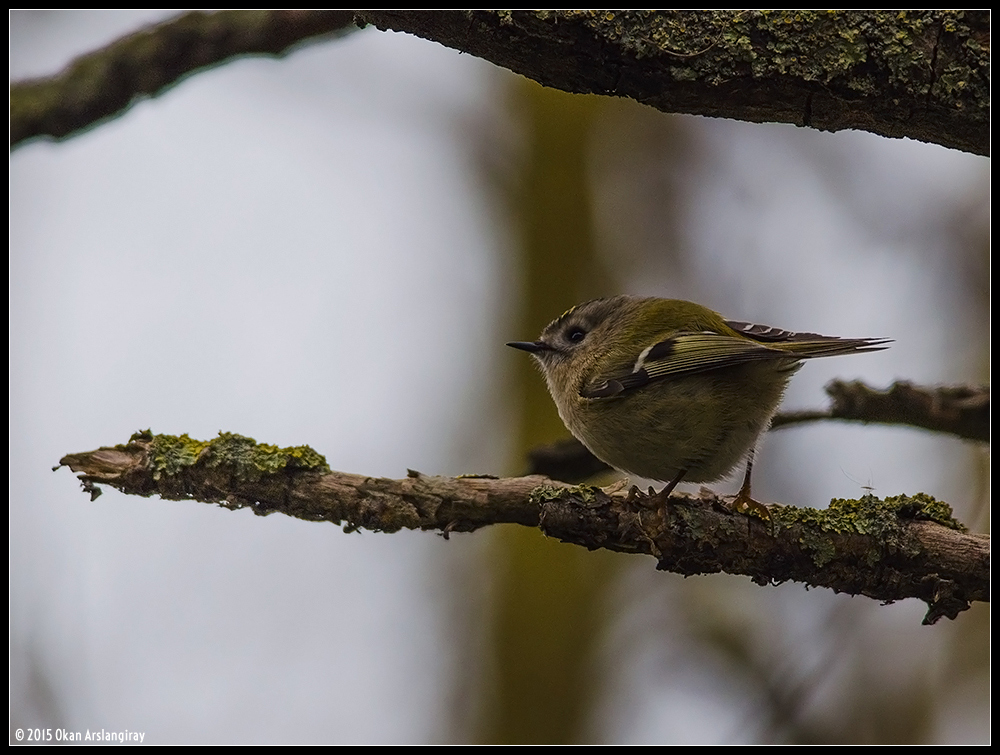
[{"x": 330, "y": 249}]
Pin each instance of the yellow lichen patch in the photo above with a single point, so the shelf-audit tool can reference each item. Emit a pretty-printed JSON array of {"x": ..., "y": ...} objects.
[{"x": 244, "y": 457}]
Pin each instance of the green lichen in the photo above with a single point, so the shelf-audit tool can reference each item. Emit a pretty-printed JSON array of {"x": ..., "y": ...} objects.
[
  {"x": 882, "y": 520},
  {"x": 243, "y": 457},
  {"x": 709, "y": 530},
  {"x": 170, "y": 454},
  {"x": 812, "y": 45},
  {"x": 547, "y": 494},
  {"x": 542, "y": 494},
  {"x": 925, "y": 507},
  {"x": 820, "y": 546}
]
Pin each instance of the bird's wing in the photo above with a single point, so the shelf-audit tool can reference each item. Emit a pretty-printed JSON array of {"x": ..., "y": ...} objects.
[
  {"x": 806, "y": 345},
  {"x": 689, "y": 353},
  {"x": 685, "y": 354}
]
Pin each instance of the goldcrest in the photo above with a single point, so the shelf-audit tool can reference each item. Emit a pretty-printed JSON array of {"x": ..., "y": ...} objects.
[{"x": 670, "y": 390}]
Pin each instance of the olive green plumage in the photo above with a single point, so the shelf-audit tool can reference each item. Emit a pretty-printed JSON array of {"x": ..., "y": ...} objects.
[{"x": 667, "y": 389}]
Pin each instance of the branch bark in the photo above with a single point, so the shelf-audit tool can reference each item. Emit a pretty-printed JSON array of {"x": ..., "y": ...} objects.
[
  {"x": 961, "y": 410},
  {"x": 105, "y": 83},
  {"x": 888, "y": 550},
  {"x": 919, "y": 74}
]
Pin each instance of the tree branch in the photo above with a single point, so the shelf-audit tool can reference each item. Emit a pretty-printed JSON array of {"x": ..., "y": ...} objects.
[
  {"x": 921, "y": 74},
  {"x": 889, "y": 550},
  {"x": 105, "y": 83},
  {"x": 961, "y": 410}
]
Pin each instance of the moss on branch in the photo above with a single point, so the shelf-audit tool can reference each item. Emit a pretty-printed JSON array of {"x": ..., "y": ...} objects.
[{"x": 906, "y": 546}]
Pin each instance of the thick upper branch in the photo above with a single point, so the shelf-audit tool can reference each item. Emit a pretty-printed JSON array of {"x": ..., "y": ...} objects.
[
  {"x": 920, "y": 74},
  {"x": 889, "y": 550}
]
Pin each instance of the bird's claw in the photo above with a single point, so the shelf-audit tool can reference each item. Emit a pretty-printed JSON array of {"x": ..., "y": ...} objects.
[{"x": 744, "y": 504}]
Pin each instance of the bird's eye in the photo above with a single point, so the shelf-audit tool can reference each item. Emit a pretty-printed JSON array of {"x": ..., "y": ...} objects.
[{"x": 575, "y": 334}]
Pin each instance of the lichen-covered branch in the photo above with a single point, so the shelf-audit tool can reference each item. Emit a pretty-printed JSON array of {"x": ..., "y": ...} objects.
[
  {"x": 903, "y": 547},
  {"x": 106, "y": 82},
  {"x": 920, "y": 74},
  {"x": 960, "y": 410}
]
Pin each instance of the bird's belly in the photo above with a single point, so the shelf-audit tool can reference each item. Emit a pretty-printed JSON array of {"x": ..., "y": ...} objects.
[{"x": 704, "y": 424}]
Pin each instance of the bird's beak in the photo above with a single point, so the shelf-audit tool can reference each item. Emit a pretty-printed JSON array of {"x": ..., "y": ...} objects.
[{"x": 532, "y": 347}]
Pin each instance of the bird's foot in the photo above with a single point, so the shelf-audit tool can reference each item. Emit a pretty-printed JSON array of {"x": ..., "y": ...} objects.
[{"x": 744, "y": 504}]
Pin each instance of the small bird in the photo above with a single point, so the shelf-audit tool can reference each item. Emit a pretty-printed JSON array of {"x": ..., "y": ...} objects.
[{"x": 670, "y": 390}]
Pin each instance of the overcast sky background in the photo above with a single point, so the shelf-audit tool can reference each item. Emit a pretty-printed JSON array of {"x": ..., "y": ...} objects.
[{"x": 304, "y": 251}]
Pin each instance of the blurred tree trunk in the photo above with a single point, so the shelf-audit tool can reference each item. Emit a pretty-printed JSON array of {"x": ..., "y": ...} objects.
[{"x": 548, "y": 613}]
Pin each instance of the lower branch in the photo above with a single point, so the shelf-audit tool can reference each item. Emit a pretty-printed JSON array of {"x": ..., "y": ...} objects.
[{"x": 902, "y": 547}]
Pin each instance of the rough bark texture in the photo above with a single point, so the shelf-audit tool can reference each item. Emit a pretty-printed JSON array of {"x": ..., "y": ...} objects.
[
  {"x": 903, "y": 547},
  {"x": 920, "y": 74},
  {"x": 961, "y": 410}
]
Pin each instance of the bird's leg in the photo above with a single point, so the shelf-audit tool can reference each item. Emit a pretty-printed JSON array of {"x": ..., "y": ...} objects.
[
  {"x": 743, "y": 503},
  {"x": 660, "y": 499}
]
